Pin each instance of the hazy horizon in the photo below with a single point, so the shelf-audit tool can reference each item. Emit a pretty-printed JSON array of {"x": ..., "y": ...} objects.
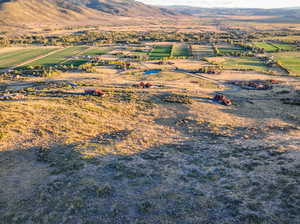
[{"x": 227, "y": 3}]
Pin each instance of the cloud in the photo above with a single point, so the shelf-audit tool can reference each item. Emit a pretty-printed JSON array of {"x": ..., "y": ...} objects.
[{"x": 228, "y": 3}]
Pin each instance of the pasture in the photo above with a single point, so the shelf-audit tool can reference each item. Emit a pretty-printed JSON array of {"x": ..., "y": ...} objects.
[
  {"x": 201, "y": 51},
  {"x": 161, "y": 51},
  {"x": 60, "y": 57},
  {"x": 95, "y": 51},
  {"x": 290, "y": 61},
  {"x": 245, "y": 63},
  {"x": 17, "y": 56},
  {"x": 90, "y": 52},
  {"x": 266, "y": 46},
  {"x": 285, "y": 47},
  {"x": 180, "y": 50},
  {"x": 226, "y": 49}
]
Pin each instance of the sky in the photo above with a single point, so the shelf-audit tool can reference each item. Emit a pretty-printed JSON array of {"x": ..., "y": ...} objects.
[{"x": 228, "y": 3}]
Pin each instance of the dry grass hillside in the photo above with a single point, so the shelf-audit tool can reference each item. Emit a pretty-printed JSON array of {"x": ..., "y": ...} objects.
[
  {"x": 25, "y": 12},
  {"x": 158, "y": 155}
]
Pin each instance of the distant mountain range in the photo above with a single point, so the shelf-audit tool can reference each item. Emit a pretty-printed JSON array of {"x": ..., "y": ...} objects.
[
  {"x": 283, "y": 15},
  {"x": 63, "y": 11}
]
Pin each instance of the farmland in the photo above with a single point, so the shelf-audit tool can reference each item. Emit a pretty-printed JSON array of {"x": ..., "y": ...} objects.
[
  {"x": 95, "y": 51},
  {"x": 201, "y": 51},
  {"x": 180, "y": 50},
  {"x": 290, "y": 61},
  {"x": 245, "y": 63},
  {"x": 89, "y": 52},
  {"x": 161, "y": 51},
  {"x": 16, "y": 57},
  {"x": 285, "y": 47},
  {"x": 225, "y": 49},
  {"x": 59, "y": 57},
  {"x": 266, "y": 46}
]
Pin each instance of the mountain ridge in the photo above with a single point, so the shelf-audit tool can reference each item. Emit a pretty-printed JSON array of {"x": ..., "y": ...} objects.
[{"x": 22, "y": 12}]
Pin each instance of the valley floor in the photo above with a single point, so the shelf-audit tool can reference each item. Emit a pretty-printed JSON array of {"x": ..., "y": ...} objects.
[{"x": 133, "y": 156}]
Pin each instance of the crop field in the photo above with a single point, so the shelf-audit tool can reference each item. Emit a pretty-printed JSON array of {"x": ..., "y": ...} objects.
[
  {"x": 224, "y": 49},
  {"x": 16, "y": 57},
  {"x": 266, "y": 46},
  {"x": 201, "y": 51},
  {"x": 286, "y": 47},
  {"x": 95, "y": 51},
  {"x": 245, "y": 63},
  {"x": 290, "y": 61},
  {"x": 161, "y": 51},
  {"x": 59, "y": 57},
  {"x": 180, "y": 50}
]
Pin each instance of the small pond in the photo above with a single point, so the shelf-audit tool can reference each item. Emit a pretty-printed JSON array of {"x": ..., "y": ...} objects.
[{"x": 153, "y": 71}]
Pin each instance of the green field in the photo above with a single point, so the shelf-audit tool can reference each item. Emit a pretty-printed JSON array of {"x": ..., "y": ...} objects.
[
  {"x": 229, "y": 49},
  {"x": 290, "y": 61},
  {"x": 59, "y": 57},
  {"x": 245, "y": 63},
  {"x": 14, "y": 58},
  {"x": 95, "y": 51},
  {"x": 286, "y": 47},
  {"x": 161, "y": 51},
  {"x": 180, "y": 50},
  {"x": 200, "y": 51},
  {"x": 266, "y": 46},
  {"x": 92, "y": 51}
]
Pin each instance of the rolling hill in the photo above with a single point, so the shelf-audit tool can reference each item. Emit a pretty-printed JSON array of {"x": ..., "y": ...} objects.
[
  {"x": 280, "y": 15},
  {"x": 23, "y": 12}
]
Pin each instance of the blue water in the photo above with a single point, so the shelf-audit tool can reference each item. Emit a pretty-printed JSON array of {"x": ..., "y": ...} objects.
[{"x": 150, "y": 72}]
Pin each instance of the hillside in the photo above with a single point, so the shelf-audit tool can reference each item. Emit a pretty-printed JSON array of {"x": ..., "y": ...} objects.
[
  {"x": 24, "y": 12},
  {"x": 281, "y": 15}
]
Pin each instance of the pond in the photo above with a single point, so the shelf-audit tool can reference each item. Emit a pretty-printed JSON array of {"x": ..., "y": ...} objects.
[{"x": 153, "y": 71}]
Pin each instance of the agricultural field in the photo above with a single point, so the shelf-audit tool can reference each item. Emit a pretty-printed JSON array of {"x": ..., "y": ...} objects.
[
  {"x": 95, "y": 51},
  {"x": 90, "y": 52},
  {"x": 59, "y": 57},
  {"x": 201, "y": 51},
  {"x": 285, "y": 47},
  {"x": 244, "y": 63},
  {"x": 18, "y": 56},
  {"x": 226, "y": 49},
  {"x": 181, "y": 50},
  {"x": 268, "y": 47},
  {"x": 161, "y": 51},
  {"x": 290, "y": 61}
]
